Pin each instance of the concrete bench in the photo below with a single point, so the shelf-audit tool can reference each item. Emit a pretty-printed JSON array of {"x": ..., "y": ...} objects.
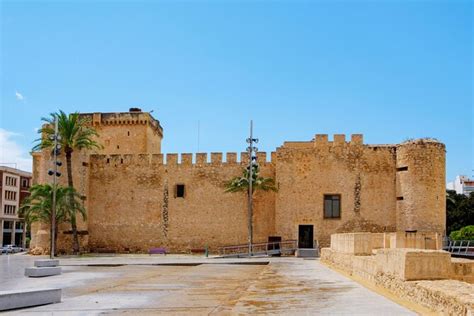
[
  {"x": 156, "y": 251},
  {"x": 27, "y": 298},
  {"x": 36, "y": 272},
  {"x": 47, "y": 263}
]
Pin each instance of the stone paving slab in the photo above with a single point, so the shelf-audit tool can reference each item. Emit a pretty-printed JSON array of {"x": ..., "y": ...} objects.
[{"x": 285, "y": 286}]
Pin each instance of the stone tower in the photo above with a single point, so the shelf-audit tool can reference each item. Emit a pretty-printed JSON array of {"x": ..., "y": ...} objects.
[{"x": 421, "y": 193}]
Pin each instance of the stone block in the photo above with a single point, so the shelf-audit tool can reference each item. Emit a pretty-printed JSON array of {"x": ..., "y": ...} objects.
[
  {"x": 462, "y": 269},
  {"x": 354, "y": 243},
  {"x": 47, "y": 263},
  {"x": 36, "y": 272},
  {"x": 365, "y": 267},
  {"x": 307, "y": 253},
  {"x": 414, "y": 264},
  {"x": 27, "y": 298}
]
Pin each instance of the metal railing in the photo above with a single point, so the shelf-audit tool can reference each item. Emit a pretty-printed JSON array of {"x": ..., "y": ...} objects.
[
  {"x": 460, "y": 247},
  {"x": 260, "y": 249}
]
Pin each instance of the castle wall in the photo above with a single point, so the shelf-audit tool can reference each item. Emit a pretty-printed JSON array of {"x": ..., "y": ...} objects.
[
  {"x": 363, "y": 175},
  {"x": 129, "y": 190},
  {"x": 133, "y": 203}
]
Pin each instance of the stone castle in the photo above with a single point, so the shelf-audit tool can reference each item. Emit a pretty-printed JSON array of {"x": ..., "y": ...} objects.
[{"x": 138, "y": 198}]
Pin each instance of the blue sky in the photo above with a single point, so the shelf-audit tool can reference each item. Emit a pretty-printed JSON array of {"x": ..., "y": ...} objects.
[{"x": 391, "y": 70}]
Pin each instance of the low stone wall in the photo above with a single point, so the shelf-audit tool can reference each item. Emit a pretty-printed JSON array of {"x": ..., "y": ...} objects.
[
  {"x": 394, "y": 269},
  {"x": 419, "y": 240},
  {"x": 353, "y": 243},
  {"x": 365, "y": 267},
  {"x": 449, "y": 297},
  {"x": 364, "y": 243},
  {"x": 414, "y": 264},
  {"x": 462, "y": 269}
]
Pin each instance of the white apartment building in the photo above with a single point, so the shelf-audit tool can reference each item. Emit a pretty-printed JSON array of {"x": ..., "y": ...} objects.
[{"x": 14, "y": 188}]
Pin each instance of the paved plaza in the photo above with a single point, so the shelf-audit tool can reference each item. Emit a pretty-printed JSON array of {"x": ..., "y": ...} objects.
[{"x": 194, "y": 285}]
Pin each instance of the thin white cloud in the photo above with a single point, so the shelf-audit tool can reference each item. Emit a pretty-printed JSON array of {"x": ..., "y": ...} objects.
[
  {"x": 11, "y": 153},
  {"x": 19, "y": 96}
]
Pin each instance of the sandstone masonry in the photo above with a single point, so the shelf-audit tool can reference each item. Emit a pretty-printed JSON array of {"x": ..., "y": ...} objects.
[{"x": 130, "y": 190}]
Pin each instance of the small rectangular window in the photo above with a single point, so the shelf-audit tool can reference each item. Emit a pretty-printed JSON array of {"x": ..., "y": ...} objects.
[
  {"x": 399, "y": 198},
  {"x": 332, "y": 206},
  {"x": 180, "y": 190},
  {"x": 402, "y": 168}
]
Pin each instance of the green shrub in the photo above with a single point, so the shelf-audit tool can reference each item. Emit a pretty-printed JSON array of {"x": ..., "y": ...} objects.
[{"x": 465, "y": 233}]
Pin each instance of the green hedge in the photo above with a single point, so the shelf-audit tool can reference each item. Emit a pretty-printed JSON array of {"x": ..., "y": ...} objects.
[{"x": 465, "y": 233}]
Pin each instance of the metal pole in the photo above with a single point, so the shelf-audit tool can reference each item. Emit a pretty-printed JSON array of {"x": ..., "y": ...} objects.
[
  {"x": 250, "y": 210},
  {"x": 53, "y": 207}
]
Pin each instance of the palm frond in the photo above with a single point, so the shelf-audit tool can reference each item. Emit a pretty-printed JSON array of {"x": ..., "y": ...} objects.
[
  {"x": 75, "y": 132},
  {"x": 241, "y": 184}
]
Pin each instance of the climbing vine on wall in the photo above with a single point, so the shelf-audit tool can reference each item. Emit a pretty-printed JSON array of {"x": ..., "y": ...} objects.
[
  {"x": 357, "y": 189},
  {"x": 164, "y": 213}
]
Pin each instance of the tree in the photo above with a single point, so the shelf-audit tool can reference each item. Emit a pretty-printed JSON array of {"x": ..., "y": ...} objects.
[
  {"x": 241, "y": 184},
  {"x": 38, "y": 206},
  {"x": 75, "y": 133},
  {"x": 459, "y": 211},
  {"x": 465, "y": 233}
]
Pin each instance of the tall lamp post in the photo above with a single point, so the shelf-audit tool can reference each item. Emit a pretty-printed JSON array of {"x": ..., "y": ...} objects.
[
  {"x": 252, "y": 160},
  {"x": 55, "y": 173}
]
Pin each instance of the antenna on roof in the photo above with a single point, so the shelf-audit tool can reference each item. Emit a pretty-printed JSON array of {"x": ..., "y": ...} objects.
[
  {"x": 199, "y": 134},
  {"x": 9, "y": 163}
]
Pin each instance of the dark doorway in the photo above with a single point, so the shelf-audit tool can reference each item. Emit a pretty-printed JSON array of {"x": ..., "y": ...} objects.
[{"x": 305, "y": 236}]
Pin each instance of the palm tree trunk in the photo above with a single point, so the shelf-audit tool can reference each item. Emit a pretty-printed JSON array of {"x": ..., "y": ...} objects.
[{"x": 75, "y": 238}]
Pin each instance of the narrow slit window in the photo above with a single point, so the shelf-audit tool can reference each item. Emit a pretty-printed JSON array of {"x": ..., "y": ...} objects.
[{"x": 405, "y": 168}]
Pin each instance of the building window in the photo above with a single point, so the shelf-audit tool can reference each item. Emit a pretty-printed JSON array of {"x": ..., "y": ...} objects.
[
  {"x": 10, "y": 181},
  {"x": 180, "y": 190},
  {"x": 10, "y": 195},
  {"x": 9, "y": 209},
  {"x": 24, "y": 183},
  {"x": 332, "y": 206}
]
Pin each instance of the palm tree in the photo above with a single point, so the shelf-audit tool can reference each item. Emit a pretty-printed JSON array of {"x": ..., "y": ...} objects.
[
  {"x": 75, "y": 133},
  {"x": 241, "y": 184},
  {"x": 38, "y": 206}
]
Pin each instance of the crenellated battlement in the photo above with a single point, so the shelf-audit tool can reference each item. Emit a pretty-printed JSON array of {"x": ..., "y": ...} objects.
[
  {"x": 323, "y": 140},
  {"x": 338, "y": 140},
  {"x": 124, "y": 118},
  {"x": 184, "y": 159}
]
